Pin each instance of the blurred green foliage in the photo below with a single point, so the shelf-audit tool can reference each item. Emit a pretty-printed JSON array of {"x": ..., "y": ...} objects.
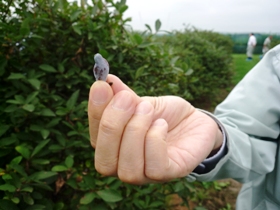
[
  {"x": 46, "y": 60},
  {"x": 207, "y": 56}
]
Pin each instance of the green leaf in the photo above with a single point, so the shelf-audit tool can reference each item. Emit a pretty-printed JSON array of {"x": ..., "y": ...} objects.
[
  {"x": 60, "y": 67},
  {"x": 69, "y": 161},
  {"x": 35, "y": 83},
  {"x": 157, "y": 25},
  {"x": 90, "y": 36},
  {"x": 24, "y": 151},
  {"x": 43, "y": 186},
  {"x": 100, "y": 5},
  {"x": 53, "y": 122},
  {"x": 41, "y": 161},
  {"x": 138, "y": 38},
  {"x": 31, "y": 96},
  {"x": 36, "y": 127},
  {"x": 72, "y": 100},
  {"x": 123, "y": 8},
  {"x": 13, "y": 102},
  {"x": 3, "y": 129},
  {"x": 87, "y": 198},
  {"x": 110, "y": 195},
  {"x": 75, "y": 14},
  {"x": 39, "y": 147},
  {"x": 189, "y": 72},
  {"x": 59, "y": 206},
  {"x": 25, "y": 29},
  {"x": 16, "y": 76},
  {"x": 7, "y": 141},
  {"x": 8, "y": 187},
  {"x": 7, "y": 205},
  {"x": 47, "y": 68},
  {"x": 77, "y": 29},
  {"x": 15, "y": 200},
  {"x": 27, "y": 199},
  {"x": 19, "y": 169},
  {"x": 47, "y": 112},
  {"x": 42, "y": 175},
  {"x": 139, "y": 72},
  {"x": 61, "y": 111},
  {"x": 178, "y": 187},
  {"x": 200, "y": 208},
  {"x": 59, "y": 168},
  {"x": 45, "y": 133},
  {"x": 16, "y": 160},
  {"x": 27, "y": 189},
  {"x": 36, "y": 207},
  {"x": 149, "y": 27},
  {"x": 36, "y": 36},
  {"x": 6, "y": 177},
  {"x": 29, "y": 107},
  {"x": 20, "y": 99},
  {"x": 11, "y": 108}
]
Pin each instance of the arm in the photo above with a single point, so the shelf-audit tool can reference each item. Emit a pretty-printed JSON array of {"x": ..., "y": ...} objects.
[{"x": 250, "y": 115}]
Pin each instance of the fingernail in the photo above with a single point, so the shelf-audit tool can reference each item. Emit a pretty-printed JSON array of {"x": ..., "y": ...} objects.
[
  {"x": 122, "y": 101},
  {"x": 143, "y": 108},
  {"x": 99, "y": 95},
  {"x": 159, "y": 122}
]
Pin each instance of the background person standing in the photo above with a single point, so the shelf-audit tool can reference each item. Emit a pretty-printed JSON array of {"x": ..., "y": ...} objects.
[
  {"x": 266, "y": 44},
  {"x": 252, "y": 42}
]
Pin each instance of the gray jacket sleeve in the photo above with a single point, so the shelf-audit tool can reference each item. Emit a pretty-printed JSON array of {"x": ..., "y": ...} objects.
[{"x": 250, "y": 114}]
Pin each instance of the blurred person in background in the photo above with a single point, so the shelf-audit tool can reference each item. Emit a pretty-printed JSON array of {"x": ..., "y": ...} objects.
[
  {"x": 252, "y": 42},
  {"x": 266, "y": 44}
]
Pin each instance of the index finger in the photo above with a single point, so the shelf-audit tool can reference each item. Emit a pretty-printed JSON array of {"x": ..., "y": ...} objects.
[
  {"x": 99, "y": 97},
  {"x": 118, "y": 85}
]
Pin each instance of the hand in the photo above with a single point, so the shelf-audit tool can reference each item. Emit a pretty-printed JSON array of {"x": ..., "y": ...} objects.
[{"x": 147, "y": 139}]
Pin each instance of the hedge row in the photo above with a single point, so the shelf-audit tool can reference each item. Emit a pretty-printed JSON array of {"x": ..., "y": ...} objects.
[{"x": 46, "y": 60}]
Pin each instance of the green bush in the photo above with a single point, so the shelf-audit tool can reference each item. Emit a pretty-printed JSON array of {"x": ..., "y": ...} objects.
[
  {"x": 208, "y": 55},
  {"x": 46, "y": 71},
  {"x": 46, "y": 60}
]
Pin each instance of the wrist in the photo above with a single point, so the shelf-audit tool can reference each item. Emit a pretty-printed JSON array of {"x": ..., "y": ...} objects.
[{"x": 220, "y": 133}]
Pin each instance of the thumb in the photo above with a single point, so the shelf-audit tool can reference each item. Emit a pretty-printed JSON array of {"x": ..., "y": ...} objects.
[{"x": 99, "y": 97}]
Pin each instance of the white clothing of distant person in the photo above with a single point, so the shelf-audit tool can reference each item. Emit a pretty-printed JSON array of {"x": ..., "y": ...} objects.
[
  {"x": 266, "y": 45},
  {"x": 252, "y": 42}
]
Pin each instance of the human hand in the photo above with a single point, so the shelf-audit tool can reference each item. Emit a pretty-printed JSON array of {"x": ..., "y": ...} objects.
[{"x": 147, "y": 139}]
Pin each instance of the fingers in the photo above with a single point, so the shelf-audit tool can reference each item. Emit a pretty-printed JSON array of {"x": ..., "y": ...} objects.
[
  {"x": 172, "y": 109},
  {"x": 157, "y": 164},
  {"x": 131, "y": 164},
  {"x": 111, "y": 127},
  {"x": 99, "y": 97}
]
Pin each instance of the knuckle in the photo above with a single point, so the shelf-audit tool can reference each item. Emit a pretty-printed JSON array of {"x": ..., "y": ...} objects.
[
  {"x": 156, "y": 174},
  {"x": 132, "y": 127},
  {"x": 105, "y": 169},
  {"x": 130, "y": 177},
  {"x": 108, "y": 127},
  {"x": 93, "y": 142}
]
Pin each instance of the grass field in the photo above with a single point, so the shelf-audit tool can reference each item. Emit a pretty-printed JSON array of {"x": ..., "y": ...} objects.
[{"x": 241, "y": 66}]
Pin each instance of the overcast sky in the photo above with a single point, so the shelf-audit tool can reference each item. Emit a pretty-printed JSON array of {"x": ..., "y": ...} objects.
[{"x": 232, "y": 16}]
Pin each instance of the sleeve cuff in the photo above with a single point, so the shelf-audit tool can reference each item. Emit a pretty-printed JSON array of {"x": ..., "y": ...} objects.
[{"x": 209, "y": 163}]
